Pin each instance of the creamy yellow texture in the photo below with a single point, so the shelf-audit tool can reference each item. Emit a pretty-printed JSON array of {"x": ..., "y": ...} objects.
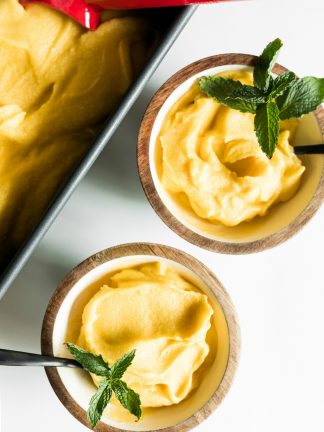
[
  {"x": 209, "y": 159},
  {"x": 153, "y": 309},
  {"x": 57, "y": 83}
]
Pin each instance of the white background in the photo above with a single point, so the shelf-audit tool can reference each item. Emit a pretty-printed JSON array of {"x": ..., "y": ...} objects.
[{"x": 279, "y": 294}]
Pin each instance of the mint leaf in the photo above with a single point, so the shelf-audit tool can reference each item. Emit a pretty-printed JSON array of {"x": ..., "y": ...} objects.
[
  {"x": 128, "y": 398},
  {"x": 221, "y": 89},
  {"x": 265, "y": 63},
  {"x": 266, "y": 125},
  {"x": 280, "y": 84},
  {"x": 249, "y": 93},
  {"x": 98, "y": 403},
  {"x": 246, "y": 98},
  {"x": 90, "y": 362},
  {"x": 302, "y": 97},
  {"x": 270, "y": 85},
  {"x": 218, "y": 87},
  {"x": 119, "y": 367}
]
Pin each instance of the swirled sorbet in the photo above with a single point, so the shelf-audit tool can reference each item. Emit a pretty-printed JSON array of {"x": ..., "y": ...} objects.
[
  {"x": 153, "y": 309},
  {"x": 210, "y": 160},
  {"x": 58, "y": 82}
]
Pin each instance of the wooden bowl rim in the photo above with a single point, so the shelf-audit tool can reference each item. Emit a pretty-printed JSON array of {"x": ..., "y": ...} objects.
[
  {"x": 156, "y": 202},
  {"x": 149, "y": 249}
]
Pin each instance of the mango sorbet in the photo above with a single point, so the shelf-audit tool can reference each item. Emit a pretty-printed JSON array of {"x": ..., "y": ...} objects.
[
  {"x": 58, "y": 82},
  {"x": 209, "y": 160},
  {"x": 153, "y": 309}
]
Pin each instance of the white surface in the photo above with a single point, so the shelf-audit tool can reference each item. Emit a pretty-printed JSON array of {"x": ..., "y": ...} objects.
[{"x": 279, "y": 294}]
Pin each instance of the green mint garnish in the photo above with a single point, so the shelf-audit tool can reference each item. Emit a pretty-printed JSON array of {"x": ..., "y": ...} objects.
[
  {"x": 89, "y": 362},
  {"x": 301, "y": 97},
  {"x": 270, "y": 99},
  {"x": 265, "y": 63},
  {"x": 118, "y": 369},
  {"x": 280, "y": 84},
  {"x": 225, "y": 89},
  {"x": 127, "y": 397},
  {"x": 98, "y": 403},
  {"x": 266, "y": 125},
  {"x": 112, "y": 383}
]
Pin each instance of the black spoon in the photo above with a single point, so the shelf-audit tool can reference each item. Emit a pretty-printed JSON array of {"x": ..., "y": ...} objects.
[
  {"x": 18, "y": 358},
  {"x": 310, "y": 149}
]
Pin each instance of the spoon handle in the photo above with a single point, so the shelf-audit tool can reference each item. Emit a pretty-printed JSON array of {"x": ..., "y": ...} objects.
[
  {"x": 18, "y": 358},
  {"x": 310, "y": 149}
]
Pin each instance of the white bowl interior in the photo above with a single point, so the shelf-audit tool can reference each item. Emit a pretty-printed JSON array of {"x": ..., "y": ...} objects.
[
  {"x": 80, "y": 385},
  {"x": 281, "y": 215}
]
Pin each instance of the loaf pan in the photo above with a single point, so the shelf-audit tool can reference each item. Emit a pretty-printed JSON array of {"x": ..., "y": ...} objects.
[{"x": 171, "y": 21}]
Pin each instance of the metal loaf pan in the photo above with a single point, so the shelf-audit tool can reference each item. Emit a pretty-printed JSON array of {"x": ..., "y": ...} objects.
[{"x": 171, "y": 22}]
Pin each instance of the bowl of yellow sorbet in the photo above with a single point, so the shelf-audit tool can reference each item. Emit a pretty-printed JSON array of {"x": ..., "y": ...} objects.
[
  {"x": 168, "y": 307},
  {"x": 205, "y": 174}
]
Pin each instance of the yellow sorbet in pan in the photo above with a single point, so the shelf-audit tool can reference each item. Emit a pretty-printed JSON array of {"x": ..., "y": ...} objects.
[
  {"x": 58, "y": 82},
  {"x": 164, "y": 317},
  {"x": 209, "y": 160}
]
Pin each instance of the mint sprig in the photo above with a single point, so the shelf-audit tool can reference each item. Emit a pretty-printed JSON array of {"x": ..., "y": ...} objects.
[
  {"x": 270, "y": 99},
  {"x": 111, "y": 384}
]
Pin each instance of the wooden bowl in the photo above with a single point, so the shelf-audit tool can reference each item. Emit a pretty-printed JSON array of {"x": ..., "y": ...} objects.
[
  {"x": 282, "y": 221},
  {"x": 74, "y": 387}
]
